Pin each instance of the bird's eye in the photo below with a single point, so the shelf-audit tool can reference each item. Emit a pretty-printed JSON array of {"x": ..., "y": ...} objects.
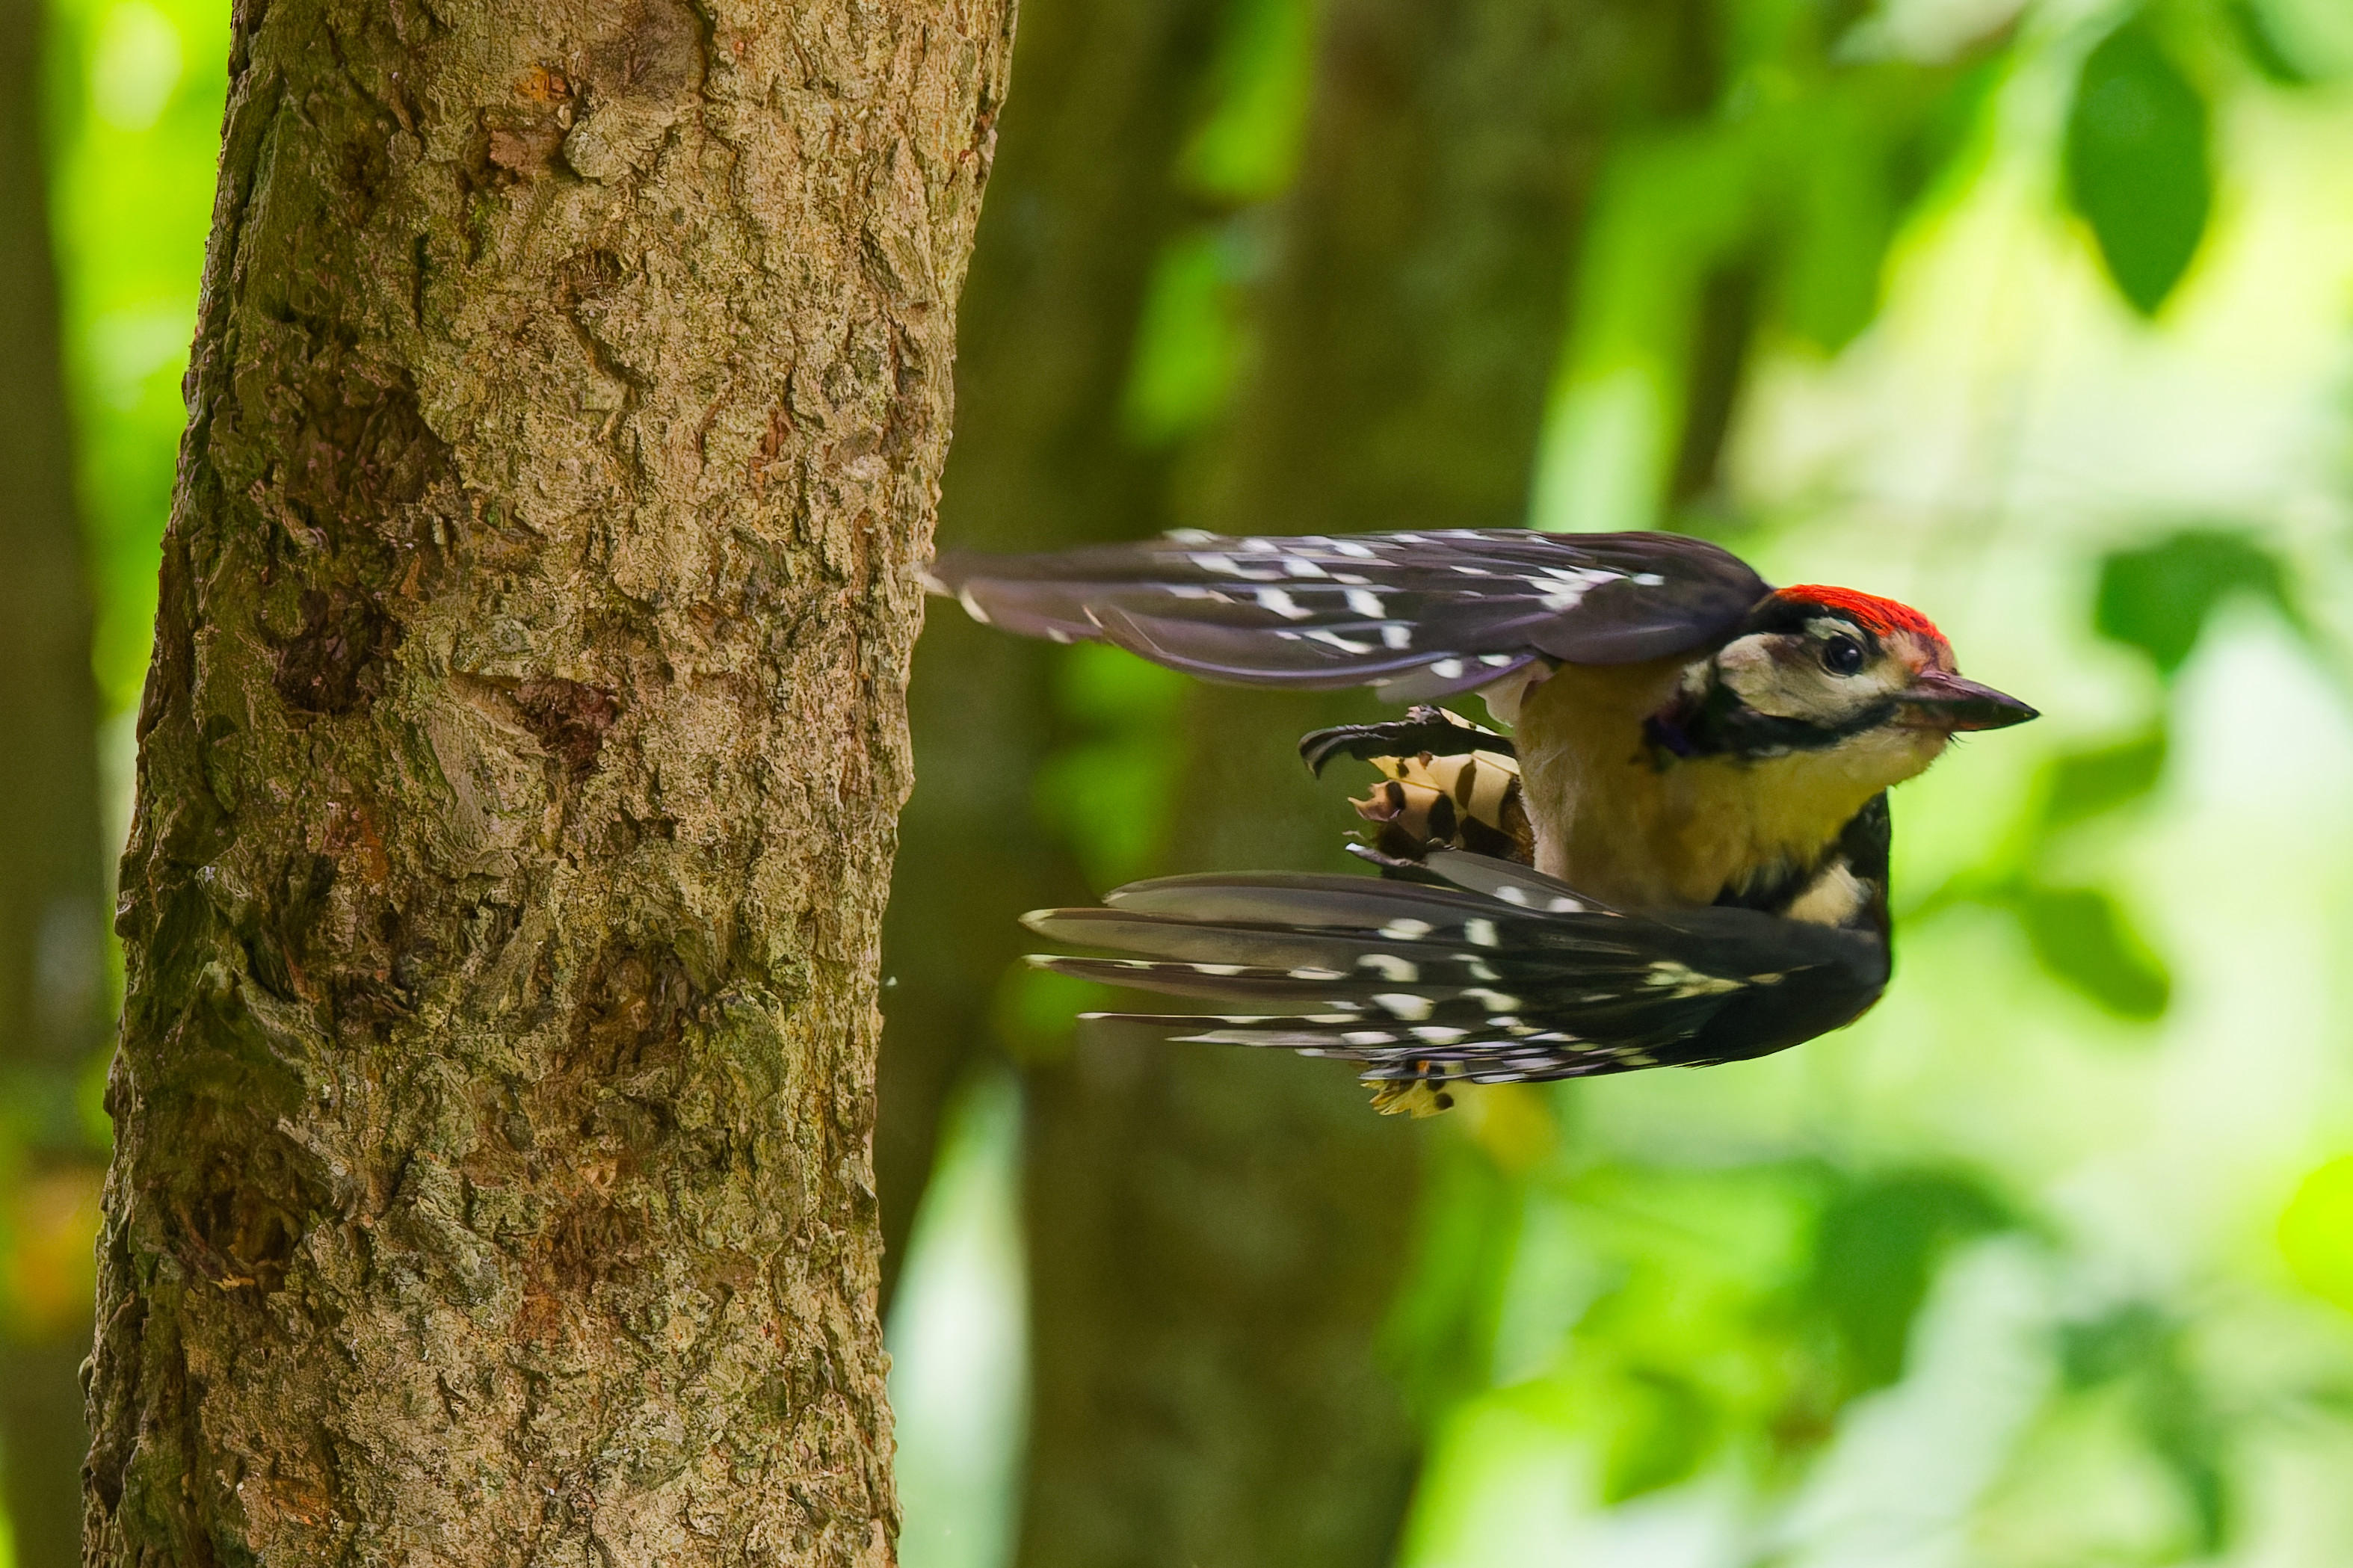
[{"x": 1841, "y": 656}]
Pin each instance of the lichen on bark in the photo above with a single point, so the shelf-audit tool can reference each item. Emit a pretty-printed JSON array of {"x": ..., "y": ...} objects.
[{"x": 519, "y": 765}]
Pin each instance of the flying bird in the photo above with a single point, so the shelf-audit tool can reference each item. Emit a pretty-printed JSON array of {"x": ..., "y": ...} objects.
[{"x": 1677, "y": 856}]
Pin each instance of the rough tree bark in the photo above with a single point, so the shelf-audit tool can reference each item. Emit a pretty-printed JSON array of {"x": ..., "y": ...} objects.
[
  {"x": 1082, "y": 196},
  {"x": 52, "y": 883},
  {"x": 1217, "y": 1236},
  {"x": 518, "y": 770}
]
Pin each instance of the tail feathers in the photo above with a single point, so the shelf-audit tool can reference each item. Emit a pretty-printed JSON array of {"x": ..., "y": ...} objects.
[{"x": 1504, "y": 975}]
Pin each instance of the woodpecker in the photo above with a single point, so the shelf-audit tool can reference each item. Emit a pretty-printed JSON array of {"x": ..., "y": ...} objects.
[{"x": 1677, "y": 856}]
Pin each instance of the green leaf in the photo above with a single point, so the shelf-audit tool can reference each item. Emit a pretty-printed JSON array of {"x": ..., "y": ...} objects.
[
  {"x": 1187, "y": 342},
  {"x": 2137, "y": 163},
  {"x": 2159, "y": 598},
  {"x": 2080, "y": 785},
  {"x": 2140, "y": 1344},
  {"x": 1877, "y": 1250},
  {"x": 1665, "y": 1426},
  {"x": 2316, "y": 1233},
  {"x": 2082, "y": 938}
]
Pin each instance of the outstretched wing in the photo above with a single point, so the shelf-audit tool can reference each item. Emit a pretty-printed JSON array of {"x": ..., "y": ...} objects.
[
  {"x": 1418, "y": 615},
  {"x": 1500, "y": 975}
]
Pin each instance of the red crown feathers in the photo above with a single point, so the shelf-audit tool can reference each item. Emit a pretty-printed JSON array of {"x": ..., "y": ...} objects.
[{"x": 1879, "y": 616}]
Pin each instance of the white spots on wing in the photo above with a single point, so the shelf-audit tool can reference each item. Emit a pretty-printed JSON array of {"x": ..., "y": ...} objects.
[
  {"x": 1367, "y": 603},
  {"x": 1496, "y": 1000},
  {"x": 1333, "y": 639},
  {"x": 1647, "y": 580},
  {"x": 1447, "y": 668},
  {"x": 1369, "y": 1037},
  {"x": 1482, "y": 933},
  {"x": 1405, "y": 928},
  {"x": 1300, "y": 566},
  {"x": 1527, "y": 899},
  {"x": 1495, "y": 660},
  {"x": 1438, "y": 1034},
  {"x": 1310, "y": 972},
  {"x": 1405, "y": 1005},
  {"x": 972, "y": 605},
  {"x": 1226, "y": 565},
  {"x": 1565, "y": 587},
  {"x": 1682, "y": 980},
  {"x": 1351, "y": 579},
  {"x": 1353, "y": 551},
  {"x": 1396, "y": 634},
  {"x": 1218, "y": 968},
  {"x": 1198, "y": 590},
  {"x": 1479, "y": 969},
  {"x": 1388, "y": 966},
  {"x": 1282, "y": 604}
]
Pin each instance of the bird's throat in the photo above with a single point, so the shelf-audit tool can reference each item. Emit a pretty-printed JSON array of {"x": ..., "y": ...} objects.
[{"x": 1647, "y": 830}]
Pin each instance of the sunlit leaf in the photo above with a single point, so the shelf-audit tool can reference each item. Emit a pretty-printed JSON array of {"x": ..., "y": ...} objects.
[
  {"x": 2316, "y": 1233},
  {"x": 2137, "y": 165},
  {"x": 2159, "y": 597},
  {"x": 2082, "y": 937},
  {"x": 1875, "y": 1253}
]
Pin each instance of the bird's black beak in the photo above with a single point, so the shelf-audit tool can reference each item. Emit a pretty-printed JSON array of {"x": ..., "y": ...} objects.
[{"x": 1948, "y": 701}]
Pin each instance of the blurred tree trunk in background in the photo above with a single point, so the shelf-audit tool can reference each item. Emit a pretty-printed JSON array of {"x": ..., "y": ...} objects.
[
  {"x": 52, "y": 884},
  {"x": 1217, "y": 1236},
  {"x": 1082, "y": 194},
  {"x": 518, "y": 773}
]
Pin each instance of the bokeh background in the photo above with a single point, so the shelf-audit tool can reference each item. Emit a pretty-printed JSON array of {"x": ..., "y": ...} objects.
[{"x": 2038, "y": 316}]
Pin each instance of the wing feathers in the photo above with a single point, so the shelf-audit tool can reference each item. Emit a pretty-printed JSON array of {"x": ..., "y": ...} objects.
[
  {"x": 1418, "y": 615},
  {"x": 1504, "y": 975}
]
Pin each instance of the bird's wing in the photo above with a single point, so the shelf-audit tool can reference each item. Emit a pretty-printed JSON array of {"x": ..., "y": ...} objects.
[
  {"x": 1418, "y": 615},
  {"x": 1500, "y": 975}
]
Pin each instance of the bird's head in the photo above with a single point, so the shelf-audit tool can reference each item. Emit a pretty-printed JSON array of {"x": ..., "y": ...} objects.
[{"x": 1829, "y": 670}]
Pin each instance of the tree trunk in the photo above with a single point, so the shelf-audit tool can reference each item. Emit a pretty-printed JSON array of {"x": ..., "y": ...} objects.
[
  {"x": 1217, "y": 1236},
  {"x": 1081, "y": 198},
  {"x": 52, "y": 887},
  {"x": 518, "y": 770}
]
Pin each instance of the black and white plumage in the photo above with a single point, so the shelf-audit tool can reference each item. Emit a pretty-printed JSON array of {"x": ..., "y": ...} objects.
[
  {"x": 1416, "y": 616},
  {"x": 1695, "y": 777},
  {"x": 1495, "y": 974}
]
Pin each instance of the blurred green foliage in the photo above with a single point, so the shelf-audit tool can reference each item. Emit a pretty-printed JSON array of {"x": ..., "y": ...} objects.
[
  {"x": 134, "y": 113},
  {"x": 2137, "y": 167},
  {"x": 2159, "y": 597},
  {"x": 1727, "y": 1308}
]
